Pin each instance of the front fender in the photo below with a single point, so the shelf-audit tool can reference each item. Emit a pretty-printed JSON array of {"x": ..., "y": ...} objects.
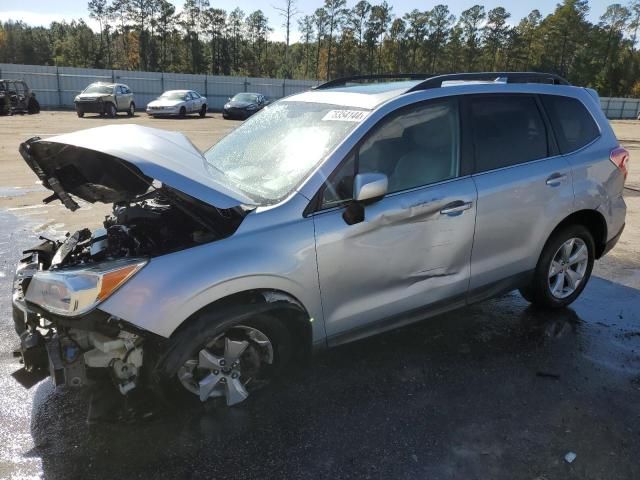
[{"x": 173, "y": 287}]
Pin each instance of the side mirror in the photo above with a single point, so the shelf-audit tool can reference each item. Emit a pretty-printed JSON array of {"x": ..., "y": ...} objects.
[{"x": 367, "y": 188}]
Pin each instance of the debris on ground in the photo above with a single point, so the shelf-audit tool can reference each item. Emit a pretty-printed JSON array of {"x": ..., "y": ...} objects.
[{"x": 570, "y": 457}]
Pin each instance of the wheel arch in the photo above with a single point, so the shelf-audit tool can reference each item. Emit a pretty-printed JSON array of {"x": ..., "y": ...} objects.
[
  {"x": 241, "y": 305},
  {"x": 593, "y": 221}
]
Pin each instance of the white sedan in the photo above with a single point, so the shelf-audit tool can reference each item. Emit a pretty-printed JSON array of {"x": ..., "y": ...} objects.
[{"x": 178, "y": 102}]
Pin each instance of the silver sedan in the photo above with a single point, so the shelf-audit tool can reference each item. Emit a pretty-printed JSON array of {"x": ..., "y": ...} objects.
[{"x": 178, "y": 102}]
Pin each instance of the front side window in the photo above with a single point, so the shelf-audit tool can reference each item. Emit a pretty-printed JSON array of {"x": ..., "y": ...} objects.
[
  {"x": 507, "y": 130},
  {"x": 273, "y": 151},
  {"x": 573, "y": 124},
  {"x": 416, "y": 147}
]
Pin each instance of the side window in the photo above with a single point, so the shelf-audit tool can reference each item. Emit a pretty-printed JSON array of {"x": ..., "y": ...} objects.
[
  {"x": 416, "y": 147},
  {"x": 339, "y": 188},
  {"x": 573, "y": 124},
  {"x": 187, "y": 96},
  {"x": 507, "y": 130},
  {"x": 195, "y": 95}
]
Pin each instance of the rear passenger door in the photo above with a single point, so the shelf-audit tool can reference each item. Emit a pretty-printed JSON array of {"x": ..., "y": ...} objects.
[
  {"x": 413, "y": 248},
  {"x": 524, "y": 188}
]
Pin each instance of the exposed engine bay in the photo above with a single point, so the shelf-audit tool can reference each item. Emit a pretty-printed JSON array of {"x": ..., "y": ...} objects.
[
  {"x": 151, "y": 226},
  {"x": 57, "y": 319}
]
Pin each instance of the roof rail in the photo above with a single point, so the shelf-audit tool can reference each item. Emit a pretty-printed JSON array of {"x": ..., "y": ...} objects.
[
  {"x": 507, "y": 77},
  {"x": 341, "y": 82}
]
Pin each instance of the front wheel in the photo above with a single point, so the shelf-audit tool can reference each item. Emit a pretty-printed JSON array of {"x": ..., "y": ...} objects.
[
  {"x": 79, "y": 113},
  {"x": 564, "y": 268},
  {"x": 203, "y": 111},
  {"x": 110, "y": 110},
  {"x": 228, "y": 362},
  {"x": 132, "y": 109}
]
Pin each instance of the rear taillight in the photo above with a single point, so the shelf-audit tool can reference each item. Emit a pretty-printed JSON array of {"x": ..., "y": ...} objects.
[{"x": 620, "y": 157}]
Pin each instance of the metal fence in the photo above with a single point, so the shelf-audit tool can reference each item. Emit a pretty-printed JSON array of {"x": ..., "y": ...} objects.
[{"x": 56, "y": 87}]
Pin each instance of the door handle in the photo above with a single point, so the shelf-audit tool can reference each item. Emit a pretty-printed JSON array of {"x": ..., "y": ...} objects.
[
  {"x": 556, "y": 179},
  {"x": 456, "y": 208}
]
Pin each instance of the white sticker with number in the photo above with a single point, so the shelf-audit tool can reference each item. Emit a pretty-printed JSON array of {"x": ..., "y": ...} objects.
[{"x": 345, "y": 115}]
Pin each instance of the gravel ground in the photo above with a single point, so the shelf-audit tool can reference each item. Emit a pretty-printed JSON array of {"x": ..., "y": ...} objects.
[{"x": 493, "y": 391}]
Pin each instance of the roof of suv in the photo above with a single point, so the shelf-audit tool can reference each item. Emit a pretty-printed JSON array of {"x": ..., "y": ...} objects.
[{"x": 348, "y": 92}]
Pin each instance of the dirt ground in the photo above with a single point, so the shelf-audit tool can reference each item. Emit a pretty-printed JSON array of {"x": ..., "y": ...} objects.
[{"x": 497, "y": 390}]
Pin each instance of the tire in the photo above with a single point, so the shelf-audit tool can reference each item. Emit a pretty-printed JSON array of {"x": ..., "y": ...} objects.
[
  {"x": 79, "y": 113},
  {"x": 203, "y": 111},
  {"x": 33, "y": 107},
  {"x": 132, "y": 110},
  {"x": 557, "y": 290},
  {"x": 110, "y": 110},
  {"x": 183, "y": 112},
  {"x": 196, "y": 337}
]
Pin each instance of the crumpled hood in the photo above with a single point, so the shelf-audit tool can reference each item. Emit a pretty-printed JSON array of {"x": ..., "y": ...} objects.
[{"x": 118, "y": 163}]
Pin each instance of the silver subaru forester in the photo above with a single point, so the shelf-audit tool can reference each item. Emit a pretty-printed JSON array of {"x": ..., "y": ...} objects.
[{"x": 359, "y": 206}]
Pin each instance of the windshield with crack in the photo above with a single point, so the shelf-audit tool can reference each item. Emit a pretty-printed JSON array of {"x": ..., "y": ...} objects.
[{"x": 271, "y": 153}]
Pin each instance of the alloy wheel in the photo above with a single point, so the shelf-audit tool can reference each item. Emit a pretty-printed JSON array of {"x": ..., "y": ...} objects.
[
  {"x": 228, "y": 365},
  {"x": 568, "y": 268}
]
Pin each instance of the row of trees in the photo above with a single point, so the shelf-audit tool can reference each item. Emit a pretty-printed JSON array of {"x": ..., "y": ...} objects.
[{"x": 338, "y": 40}]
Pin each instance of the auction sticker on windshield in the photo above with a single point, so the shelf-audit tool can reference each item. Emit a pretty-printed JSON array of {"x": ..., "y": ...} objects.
[{"x": 345, "y": 115}]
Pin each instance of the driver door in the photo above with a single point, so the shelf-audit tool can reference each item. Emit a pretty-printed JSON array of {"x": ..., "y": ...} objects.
[{"x": 412, "y": 251}]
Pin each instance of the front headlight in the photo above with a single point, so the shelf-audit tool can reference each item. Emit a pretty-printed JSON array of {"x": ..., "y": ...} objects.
[{"x": 71, "y": 292}]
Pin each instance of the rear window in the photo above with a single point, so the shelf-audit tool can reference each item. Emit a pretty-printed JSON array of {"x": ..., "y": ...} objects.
[
  {"x": 573, "y": 124},
  {"x": 507, "y": 130}
]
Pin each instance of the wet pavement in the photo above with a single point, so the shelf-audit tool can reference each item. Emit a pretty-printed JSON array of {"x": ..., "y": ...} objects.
[{"x": 496, "y": 390}]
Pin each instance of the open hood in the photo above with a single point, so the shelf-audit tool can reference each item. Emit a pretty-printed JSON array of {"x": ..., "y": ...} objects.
[{"x": 118, "y": 163}]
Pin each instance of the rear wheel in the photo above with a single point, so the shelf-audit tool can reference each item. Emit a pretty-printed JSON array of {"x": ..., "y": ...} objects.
[
  {"x": 564, "y": 268},
  {"x": 183, "y": 112},
  {"x": 34, "y": 106},
  {"x": 203, "y": 111}
]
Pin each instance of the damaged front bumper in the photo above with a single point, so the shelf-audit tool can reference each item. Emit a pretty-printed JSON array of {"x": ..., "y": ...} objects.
[{"x": 81, "y": 350}]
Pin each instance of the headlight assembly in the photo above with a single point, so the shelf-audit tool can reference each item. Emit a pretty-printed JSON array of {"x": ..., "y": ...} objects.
[{"x": 74, "y": 291}]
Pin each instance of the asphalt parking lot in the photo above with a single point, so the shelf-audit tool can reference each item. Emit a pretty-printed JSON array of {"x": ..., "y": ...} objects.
[{"x": 497, "y": 390}]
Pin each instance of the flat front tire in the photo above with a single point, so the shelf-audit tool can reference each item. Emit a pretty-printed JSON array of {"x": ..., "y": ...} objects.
[{"x": 563, "y": 270}]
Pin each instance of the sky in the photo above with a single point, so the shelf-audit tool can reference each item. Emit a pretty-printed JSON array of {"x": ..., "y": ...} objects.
[{"x": 43, "y": 12}]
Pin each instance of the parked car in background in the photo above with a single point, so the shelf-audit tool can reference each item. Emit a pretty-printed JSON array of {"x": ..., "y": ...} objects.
[
  {"x": 105, "y": 99},
  {"x": 335, "y": 214},
  {"x": 243, "y": 105},
  {"x": 178, "y": 102},
  {"x": 17, "y": 97}
]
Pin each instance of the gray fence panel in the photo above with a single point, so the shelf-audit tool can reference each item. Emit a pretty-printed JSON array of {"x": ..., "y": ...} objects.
[
  {"x": 71, "y": 81},
  {"x": 220, "y": 88},
  {"x": 56, "y": 87},
  {"x": 146, "y": 86}
]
